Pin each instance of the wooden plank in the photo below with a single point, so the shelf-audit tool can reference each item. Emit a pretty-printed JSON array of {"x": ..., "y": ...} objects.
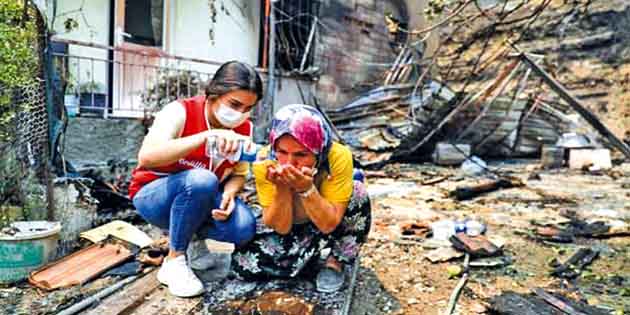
[
  {"x": 160, "y": 301},
  {"x": 556, "y": 302},
  {"x": 350, "y": 291},
  {"x": 129, "y": 298},
  {"x": 473, "y": 101},
  {"x": 505, "y": 78},
  {"x": 577, "y": 106}
]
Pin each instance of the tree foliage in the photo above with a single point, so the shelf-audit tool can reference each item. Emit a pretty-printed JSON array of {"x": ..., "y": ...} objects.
[{"x": 18, "y": 57}]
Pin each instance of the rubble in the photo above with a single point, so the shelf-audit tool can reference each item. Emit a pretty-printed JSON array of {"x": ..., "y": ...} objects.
[
  {"x": 591, "y": 159},
  {"x": 515, "y": 225},
  {"x": 574, "y": 265},
  {"x": 512, "y": 303},
  {"x": 530, "y": 206}
]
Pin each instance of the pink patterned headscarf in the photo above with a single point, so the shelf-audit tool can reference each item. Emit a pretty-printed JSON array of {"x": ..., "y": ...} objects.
[{"x": 307, "y": 125}]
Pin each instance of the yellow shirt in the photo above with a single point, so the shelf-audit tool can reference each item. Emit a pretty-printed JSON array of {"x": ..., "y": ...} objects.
[{"x": 336, "y": 188}]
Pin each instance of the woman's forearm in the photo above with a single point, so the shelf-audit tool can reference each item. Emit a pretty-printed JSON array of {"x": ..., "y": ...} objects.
[
  {"x": 279, "y": 215},
  {"x": 234, "y": 184},
  {"x": 160, "y": 153},
  {"x": 324, "y": 214}
]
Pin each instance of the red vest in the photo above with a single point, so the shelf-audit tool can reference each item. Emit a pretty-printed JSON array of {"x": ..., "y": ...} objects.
[{"x": 195, "y": 123}]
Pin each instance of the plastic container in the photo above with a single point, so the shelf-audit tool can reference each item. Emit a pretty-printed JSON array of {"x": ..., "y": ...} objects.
[
  {"x": 246, "y": 151},
  {"x": 474, "y": 228},
  {"x": 443, "y": 229},
  {"x": 33, "y": 245}
]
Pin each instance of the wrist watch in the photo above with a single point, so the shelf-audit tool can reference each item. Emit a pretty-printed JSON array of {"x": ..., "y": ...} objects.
[{"x": 308, "y": 192}]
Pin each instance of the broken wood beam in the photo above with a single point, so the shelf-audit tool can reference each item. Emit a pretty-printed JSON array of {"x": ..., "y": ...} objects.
[
  {"x": 472, "y": 191},
  {"x": 572, "y": 267},
  {"x": 556, "y": 302},
  {"x": 125, "y": 301},
  {"x": 596, "y": 40},
  {"x": 577, "y": 106},
  {"x": 435, "y": 180},
  {"x": 78, "y": 307},
  {"x": 353, "y": 280},
  {"x": 474, "y": 101}
]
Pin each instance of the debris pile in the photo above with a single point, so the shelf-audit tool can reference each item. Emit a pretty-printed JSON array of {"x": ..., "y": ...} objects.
[{"x": 505, "y": 118}]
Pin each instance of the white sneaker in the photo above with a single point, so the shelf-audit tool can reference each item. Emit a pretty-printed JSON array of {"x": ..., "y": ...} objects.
[{"x": 179, "y": 278}]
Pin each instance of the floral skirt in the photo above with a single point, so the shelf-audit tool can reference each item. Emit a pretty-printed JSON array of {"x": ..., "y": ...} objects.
[{"x": 270, "y": 254}]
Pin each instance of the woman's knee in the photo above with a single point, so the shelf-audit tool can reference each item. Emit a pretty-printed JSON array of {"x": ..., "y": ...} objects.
[{"x": 201, "y": 182}]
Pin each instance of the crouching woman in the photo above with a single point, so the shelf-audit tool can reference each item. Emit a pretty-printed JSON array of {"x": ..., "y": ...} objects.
[
  {"x": 310, "y": 202},
  {"x": 178, "y": 187}
]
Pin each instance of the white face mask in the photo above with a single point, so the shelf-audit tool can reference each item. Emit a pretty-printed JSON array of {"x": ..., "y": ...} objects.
[{"x": 229, "y": 117}]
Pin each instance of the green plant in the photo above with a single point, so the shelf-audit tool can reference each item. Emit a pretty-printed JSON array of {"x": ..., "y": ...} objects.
[
  {"x": 21, "y": 196},
  {"x": 18, "y": 59},
  {"x": 71, "y": 85},
  {"x": 170, "y": 88},
  {"x": 91, "y": 87}
]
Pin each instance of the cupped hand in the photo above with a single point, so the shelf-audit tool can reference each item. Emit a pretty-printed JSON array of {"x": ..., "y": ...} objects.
[
  {"x": 228, "y": 203},
  {"x": 299, "y": 180}
]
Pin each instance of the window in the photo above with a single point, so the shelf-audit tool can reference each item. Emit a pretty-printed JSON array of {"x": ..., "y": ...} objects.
[
  {"x": 293, "y": 30},
  {"x": 144, "y": 22}
]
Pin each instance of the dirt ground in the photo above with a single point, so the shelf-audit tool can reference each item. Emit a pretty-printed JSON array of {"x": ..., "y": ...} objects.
[{"x": 395, "y": 278}]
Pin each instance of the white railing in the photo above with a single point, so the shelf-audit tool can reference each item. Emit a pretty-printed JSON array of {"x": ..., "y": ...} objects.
[{"x": 107, "y": 81}]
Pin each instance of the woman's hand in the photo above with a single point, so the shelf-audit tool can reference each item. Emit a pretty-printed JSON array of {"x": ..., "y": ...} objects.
[
  {"x": 274, "y": 175},
  {"x": 226, "y": 141},
  {"x": 228, "y": 203},
  {"x": 289, "y": 176},
  {"x": 299, "y": 180},
  {"x": 227, "y": 147}
]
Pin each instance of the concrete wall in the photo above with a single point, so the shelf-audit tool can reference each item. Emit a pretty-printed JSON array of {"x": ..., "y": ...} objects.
[
  {"x": 235, "y": 33},
  {"x": 95, "y": 140}
]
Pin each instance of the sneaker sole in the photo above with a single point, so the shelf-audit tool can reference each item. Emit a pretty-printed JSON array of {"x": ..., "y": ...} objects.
[{"x": 187, "y": 295}]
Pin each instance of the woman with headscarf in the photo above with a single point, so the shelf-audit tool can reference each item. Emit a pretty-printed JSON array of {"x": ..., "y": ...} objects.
[
  {"x": 310, "y": 202},
  {"x": 178, "y": 187}
]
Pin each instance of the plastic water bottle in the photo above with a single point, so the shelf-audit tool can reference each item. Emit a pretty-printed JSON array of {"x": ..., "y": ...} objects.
[
  {"x": 470, "y": 227},
  {"x": 246, "y": 152}
]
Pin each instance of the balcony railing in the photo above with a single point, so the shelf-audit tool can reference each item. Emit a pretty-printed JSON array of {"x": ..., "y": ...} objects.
[{"x": 105, "y": 81}]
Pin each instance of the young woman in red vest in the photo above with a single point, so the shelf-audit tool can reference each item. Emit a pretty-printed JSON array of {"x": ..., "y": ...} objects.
[{"x": 178, "y": 187}]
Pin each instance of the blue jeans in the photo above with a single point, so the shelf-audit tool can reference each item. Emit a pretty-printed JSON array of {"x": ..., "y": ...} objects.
[{"x": 182, "y": 203}]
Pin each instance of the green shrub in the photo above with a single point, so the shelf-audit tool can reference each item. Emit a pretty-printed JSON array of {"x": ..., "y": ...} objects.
[{"x": 18, "y": 59}]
